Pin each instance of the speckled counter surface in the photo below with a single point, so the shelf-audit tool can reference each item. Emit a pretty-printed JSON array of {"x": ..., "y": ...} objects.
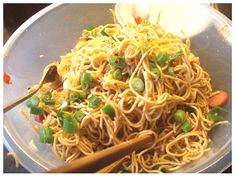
[{"x": 10, "y": 165}]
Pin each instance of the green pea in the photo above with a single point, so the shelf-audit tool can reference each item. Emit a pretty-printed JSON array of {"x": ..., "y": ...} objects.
[{"x": 180, "y": 116}]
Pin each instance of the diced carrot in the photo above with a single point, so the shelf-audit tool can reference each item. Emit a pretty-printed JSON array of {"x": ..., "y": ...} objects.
[
  {"x": 7, "y": 78},
  {"x": 83, "y": 40},
  {"x": 59, "y": 89},
  {"x": 219, "y": 99},
  {"x": 138, "y": 20}
]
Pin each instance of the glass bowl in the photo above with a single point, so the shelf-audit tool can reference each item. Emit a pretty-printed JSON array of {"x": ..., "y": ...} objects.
[{"x": 53, "y": 31}]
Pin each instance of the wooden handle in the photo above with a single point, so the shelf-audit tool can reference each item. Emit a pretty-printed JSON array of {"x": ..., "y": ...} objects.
[
  {"x": 101, "y": 159},
  {"x": 112, "y": 167}
]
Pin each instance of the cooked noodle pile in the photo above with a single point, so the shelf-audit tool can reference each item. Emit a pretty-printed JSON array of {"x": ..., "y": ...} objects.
[{"x": 178, "y": 82}]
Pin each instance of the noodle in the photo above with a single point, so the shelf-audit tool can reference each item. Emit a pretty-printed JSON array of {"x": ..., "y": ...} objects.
[
  {"x": 16, "y": 158},
  {"x": 136, "y": 113}
]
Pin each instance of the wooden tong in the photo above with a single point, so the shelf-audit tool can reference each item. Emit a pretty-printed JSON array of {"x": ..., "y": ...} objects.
[{"x": 104, "y": 158}]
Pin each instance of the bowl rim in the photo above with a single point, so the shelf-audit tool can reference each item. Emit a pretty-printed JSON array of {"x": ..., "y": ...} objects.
[
  {"x": 8, "y": 140},
  {"x": 25, "y": 25},
  {"x": 12, "y": 145}
]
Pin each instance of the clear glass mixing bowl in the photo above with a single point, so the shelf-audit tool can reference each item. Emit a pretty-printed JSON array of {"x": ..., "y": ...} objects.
[{"x": 54, "y": 31}]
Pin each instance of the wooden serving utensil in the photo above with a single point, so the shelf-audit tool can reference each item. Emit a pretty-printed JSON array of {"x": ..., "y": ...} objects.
[
  {"x": 101, "y": 159},
  {"x": 112, "y": 167}
]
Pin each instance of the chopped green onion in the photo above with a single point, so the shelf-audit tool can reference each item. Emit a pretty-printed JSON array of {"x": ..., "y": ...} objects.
[
  {"x": 145, "y": 22},
  {"x": 104, "y": 33},
  {"x": 113, "y": 60},
  {"x": 137, "y": 84},
  {"x": 50, "y": 102},
  {"x": 186, "y": 127},
  {"x": 162, "y": 58},
  {"x": 94, "y": 101},
  {"x": 45, "y": 135},
  {"x": 123, "y": 171},
  {"x": 215, "y": 117},
  {"x": 117, "y": 74},
  {"x": 33, "y": 101},
  {"x": 114, "y": 38},
  {"x": 60, "y": 120},
  {"x": 77, "y": 96},
  {"x": 86, "y": 80},
  {"x": 171, "y": 71},
  {"x": 217, "y": 109},
  {"x": 61, "y": 114},
  {"x": 121, "y": 64},
  {"x": 154, "y": 69},
  {"x": 180, "y": 116},
  {"x": 79, "y": 115},
  {"x": 90, "y": 28},
  {"x": 109, "y": 110},
  {"x": 156, "y": 167},
  {"x": 120, "y": 38},
  {"x": 117, "y": 61},
  {"x": 176, "y": 55},
  {"x": 46, "y": 96},
  {"x": 69, "y": 125},
  {"x": 46, "y": 99},
  {"x": 214, "y": 114},
  {"x": 36, "y": 110},
  {"x": 66, "y": 114},
  {"x": 60, "y": 111},
  {"x": 143, "y": 46}
]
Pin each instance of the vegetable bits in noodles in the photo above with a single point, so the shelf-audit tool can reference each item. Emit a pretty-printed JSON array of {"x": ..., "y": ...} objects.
[{"x": 120, "y": 82}]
